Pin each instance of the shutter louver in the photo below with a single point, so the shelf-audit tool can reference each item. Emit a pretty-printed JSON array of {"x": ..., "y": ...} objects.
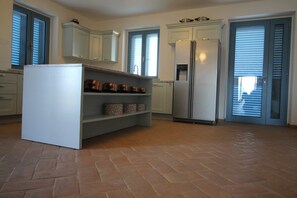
[
  {"x": 277, "y": 65},
  {"x": 38, "y": 42},
  {"x": 18, "y": 51},
  {"x": 135, "y": 54}
]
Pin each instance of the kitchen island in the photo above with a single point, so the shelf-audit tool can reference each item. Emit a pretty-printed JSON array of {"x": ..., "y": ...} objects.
[{"x": 57, "y": 111}]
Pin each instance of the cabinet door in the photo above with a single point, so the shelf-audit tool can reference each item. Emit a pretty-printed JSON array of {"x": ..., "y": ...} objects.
[
  {"x": 176, "y": 34},
  {"x": 159, "y": 98},
  {"x": 109, "y": 47},
  {"x": 8, "y": 78},
  {"x": 80, "y": 43},
  {"x": 7, "y": 104},
  {"x": 106, "y": 47},
  {"x": 207, "y": 32},
  {"x": 95, "y": 47},
  {"x": 169, "y": 98},
  {"x": 20, "y": 95}
]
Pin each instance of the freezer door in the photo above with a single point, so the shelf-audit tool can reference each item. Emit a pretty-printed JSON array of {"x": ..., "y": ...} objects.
[
  {"x": 182, "y": 79},
  {"x": 205, "y": 81},
  {"x": 181, "y": 106}
]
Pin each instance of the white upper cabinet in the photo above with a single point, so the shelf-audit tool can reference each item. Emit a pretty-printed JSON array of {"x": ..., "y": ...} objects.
[
  {"x": 110, "y": 46},
  {"x": 83, "y": 43},
  {"x": 176, "y": 34},
  {"x": 95, "y": 47},
  {"x": 75, "y": 41},
  {"x": 195, "y": 30},
  {"x": 207, "y": 32}
]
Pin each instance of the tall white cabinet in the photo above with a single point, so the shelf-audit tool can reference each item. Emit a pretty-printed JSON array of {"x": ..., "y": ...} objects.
[{"x": 57, "y": 111}]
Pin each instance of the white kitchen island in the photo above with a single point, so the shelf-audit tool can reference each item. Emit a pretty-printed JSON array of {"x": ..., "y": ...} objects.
[{"x": 57, "y": 111}]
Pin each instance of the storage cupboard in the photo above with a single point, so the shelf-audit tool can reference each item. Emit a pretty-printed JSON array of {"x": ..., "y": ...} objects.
[
  {"x": 110, "y": 40},
  {"x": 195, "y": 30},
  {"x": 80, "y": 42},
  {"x": 10, "y": 94},
  {"x": 162, "y": 96},
  {"x": 95, "y": 47},
  {"x": 75, "y": 41}
]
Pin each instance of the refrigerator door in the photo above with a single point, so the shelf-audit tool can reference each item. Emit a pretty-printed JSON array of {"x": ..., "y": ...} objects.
[
  {"x": 205, "y": 82},
  {"x": 182, "y": 80}
]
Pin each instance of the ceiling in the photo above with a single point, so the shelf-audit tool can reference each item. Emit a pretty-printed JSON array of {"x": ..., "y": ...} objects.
[{"x": 110, "y": 9}]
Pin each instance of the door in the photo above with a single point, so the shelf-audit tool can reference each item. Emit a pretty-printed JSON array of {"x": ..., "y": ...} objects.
[
  {"x": 205, "y": 80},
  {"x": 81, "y": 41},
  {"x": 95, "y": 47},
  {"x": 258, "y": 71},
  {"x": 182, "y": 95}
]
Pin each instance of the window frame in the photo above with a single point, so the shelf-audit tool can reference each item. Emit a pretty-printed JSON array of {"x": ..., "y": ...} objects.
[
  {"x": 144, "y": 34},
  {"x": 30, "y": 15}
]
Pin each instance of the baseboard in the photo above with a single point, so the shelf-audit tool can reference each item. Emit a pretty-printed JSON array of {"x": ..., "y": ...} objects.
[
  {"x": 292, "y": 126},
  {"x": 160, "y": 116}
]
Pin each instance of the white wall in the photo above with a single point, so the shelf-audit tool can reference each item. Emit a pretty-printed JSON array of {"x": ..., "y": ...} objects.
[
  {"x": 5, "y": 35},
  {"x": 60, "y": 14}
]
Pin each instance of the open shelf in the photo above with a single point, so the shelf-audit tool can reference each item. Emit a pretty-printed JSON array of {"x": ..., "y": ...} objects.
[
  {"x": 115, "y": 94},
  {"x": 96, "y": 118},
  {"x": 72, "y": 114}
]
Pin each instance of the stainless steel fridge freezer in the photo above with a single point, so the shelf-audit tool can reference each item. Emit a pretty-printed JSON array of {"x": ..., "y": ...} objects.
[{"x": 195, "y": 81}]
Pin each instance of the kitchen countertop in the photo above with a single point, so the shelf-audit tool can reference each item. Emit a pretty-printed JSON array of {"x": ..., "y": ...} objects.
[
  {"x": 163, "y": 81},
  {"x": 11, "y": 71}
]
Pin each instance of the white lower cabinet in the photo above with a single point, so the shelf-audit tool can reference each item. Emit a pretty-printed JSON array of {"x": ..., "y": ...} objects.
[
  {"x": 10, "y": 94},
  {"x": 20, "y": 95},
  {"x": 57, "y": 111},
  {"x": 7, "y": 104},
  {"x": 162, "y": 97}
]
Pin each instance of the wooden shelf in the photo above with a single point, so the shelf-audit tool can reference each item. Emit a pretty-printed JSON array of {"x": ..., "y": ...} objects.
[
  {"x": 96, "y": 118},
  {"x": 114, "y": 94}
]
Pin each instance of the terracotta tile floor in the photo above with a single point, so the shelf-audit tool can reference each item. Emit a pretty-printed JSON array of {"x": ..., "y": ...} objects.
[{"x": 169, "y": 159}]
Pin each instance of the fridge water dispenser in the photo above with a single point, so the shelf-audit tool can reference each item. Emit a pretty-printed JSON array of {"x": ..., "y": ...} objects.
[{"x": 181, "y": 72}]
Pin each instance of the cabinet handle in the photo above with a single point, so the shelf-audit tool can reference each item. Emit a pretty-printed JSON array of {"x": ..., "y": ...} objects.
[
  {"x": 4, "y": 98},
  {"x": 2, "y": 86},
  {"x": 156, "y": 85}
]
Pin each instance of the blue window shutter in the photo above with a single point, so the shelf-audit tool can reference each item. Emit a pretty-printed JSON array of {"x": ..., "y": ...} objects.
[{"x": 18, "y": 52}]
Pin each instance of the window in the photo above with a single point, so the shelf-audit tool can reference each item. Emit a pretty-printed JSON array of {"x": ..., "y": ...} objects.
[
  {"x": 30, "y": 38},
  {"x": 143, "y": 52}
]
